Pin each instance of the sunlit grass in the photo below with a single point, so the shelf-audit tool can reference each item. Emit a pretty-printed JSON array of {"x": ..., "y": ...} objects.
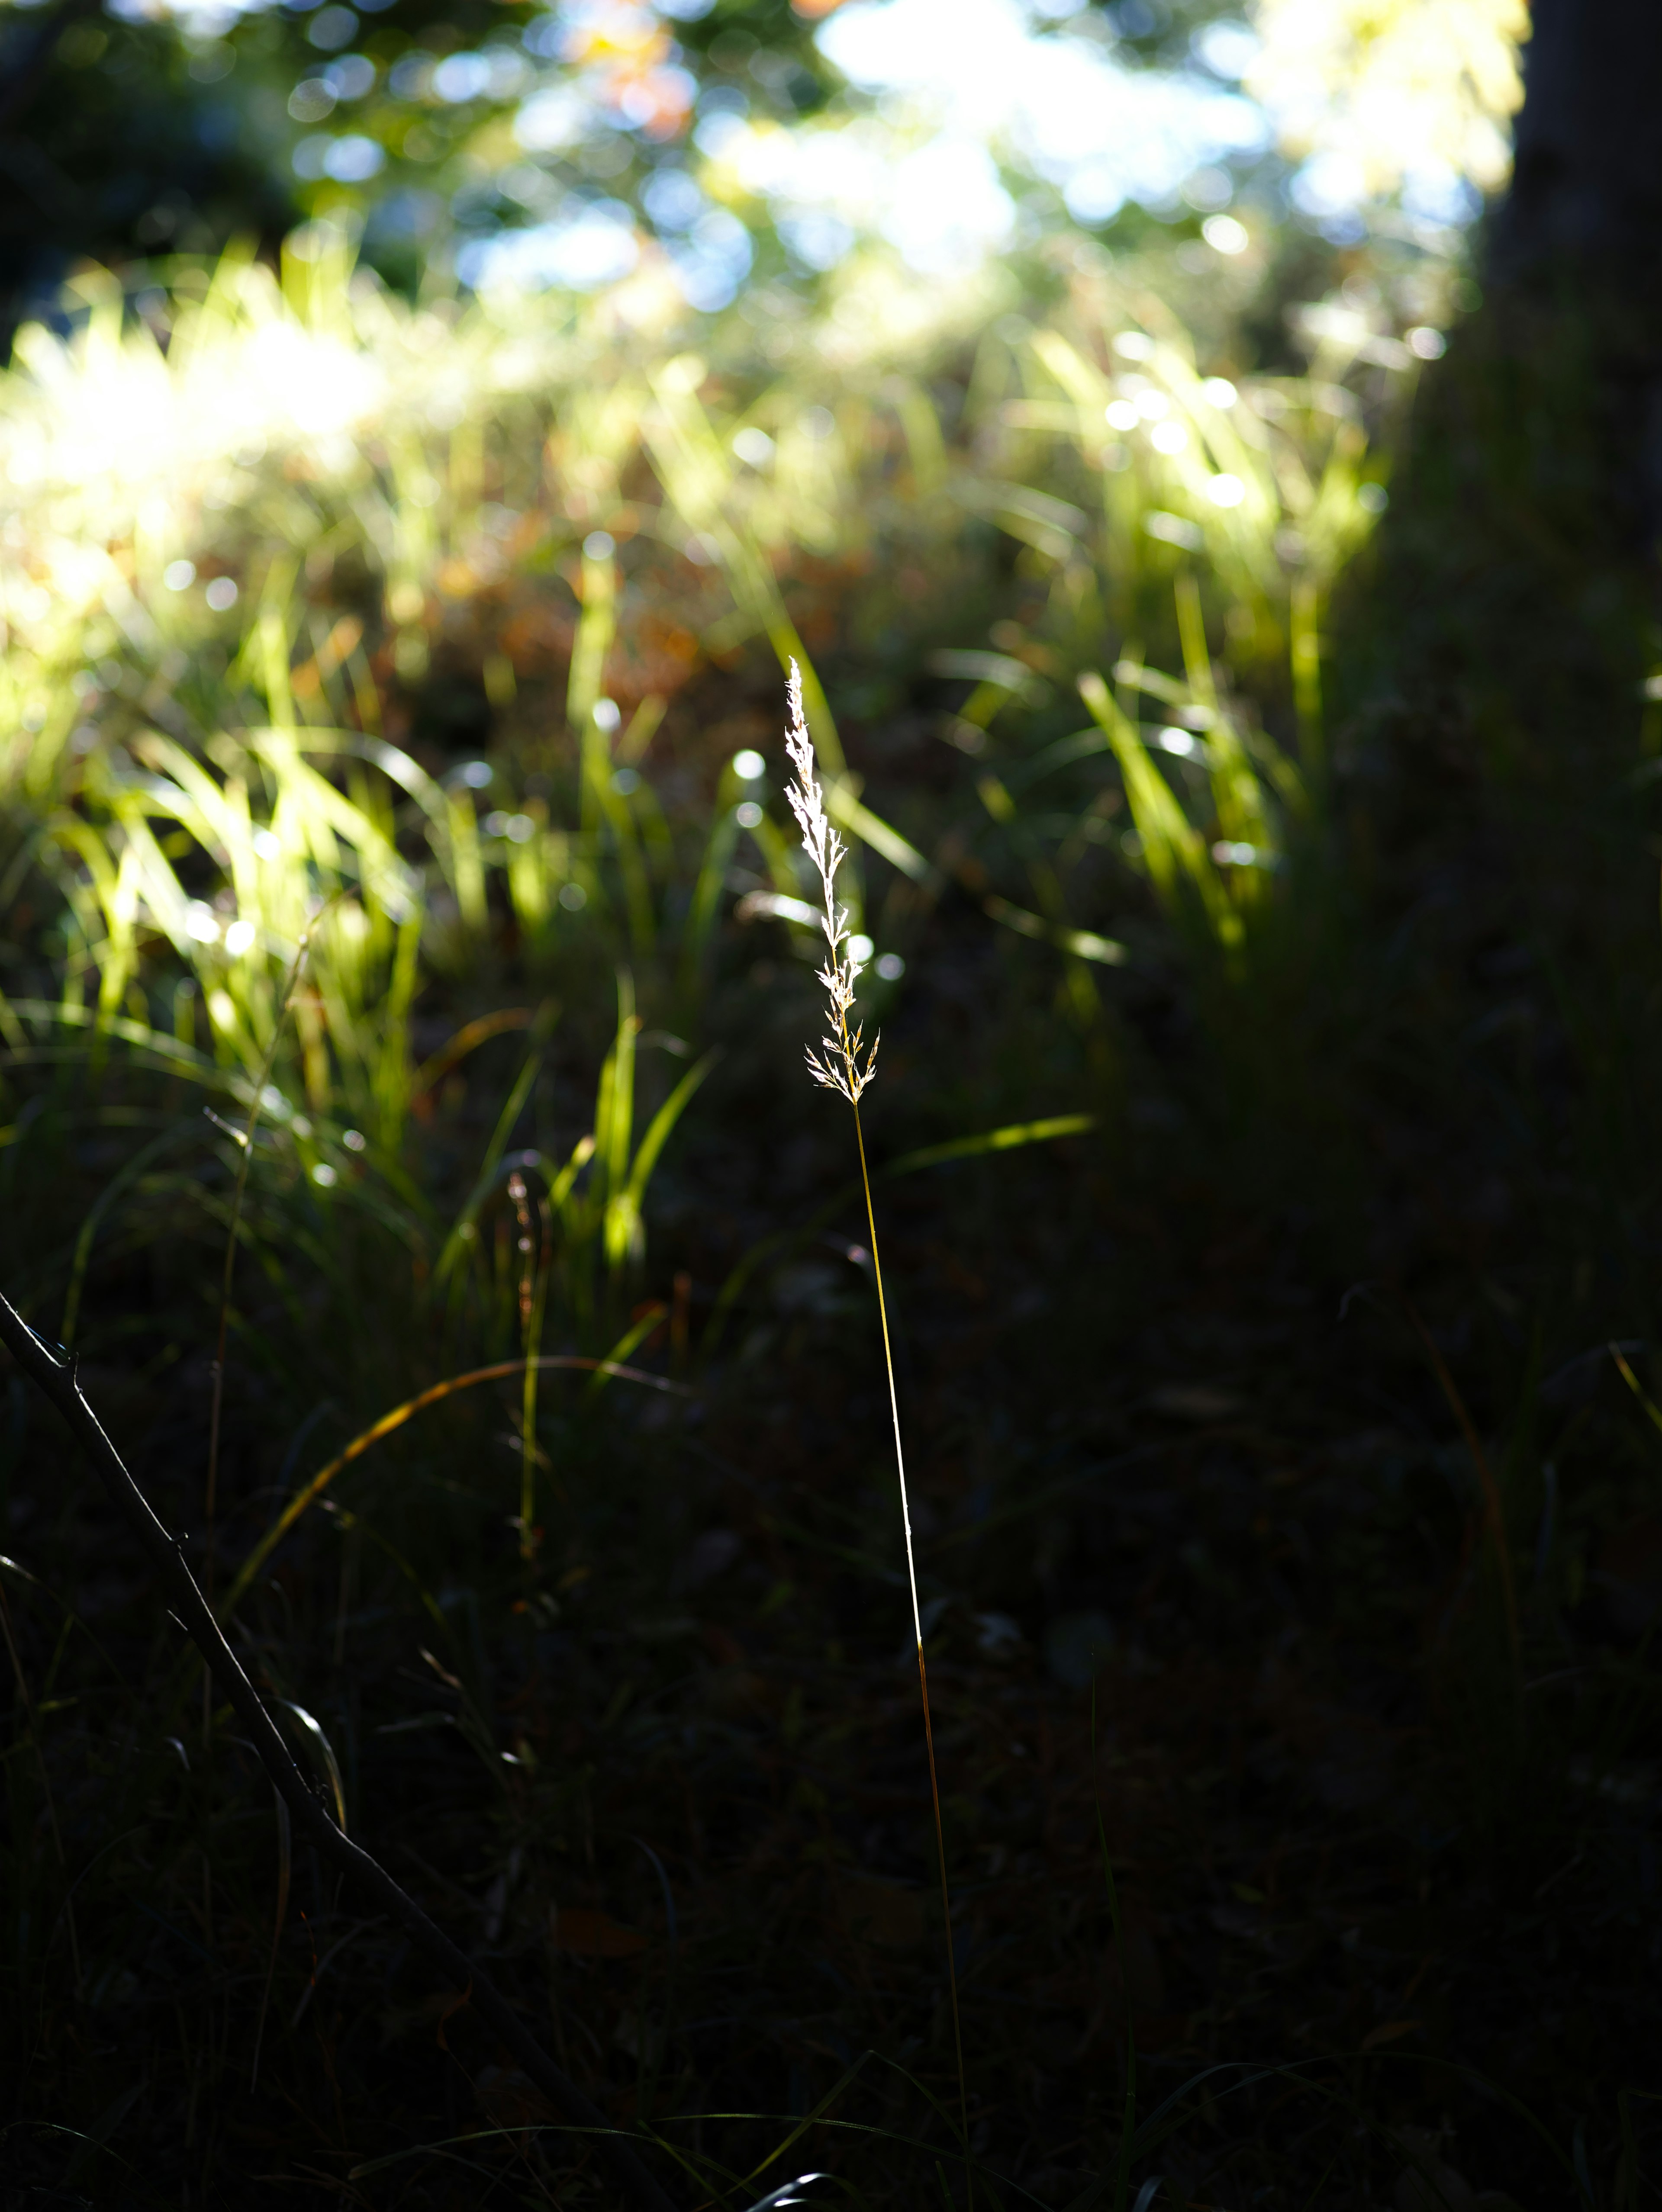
[
  {"x": 243, "y": 563},
  {"x": 237, "y": 560}
]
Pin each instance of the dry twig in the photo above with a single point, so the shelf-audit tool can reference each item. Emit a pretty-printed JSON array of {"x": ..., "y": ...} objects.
[{"x": 56, "y": 1378}]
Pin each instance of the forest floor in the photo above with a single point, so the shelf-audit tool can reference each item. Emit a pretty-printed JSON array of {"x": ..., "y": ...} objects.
[{"x": 1286, "y": 1528}]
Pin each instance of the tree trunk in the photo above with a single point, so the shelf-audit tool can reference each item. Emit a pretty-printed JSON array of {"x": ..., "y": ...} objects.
[
  {"x": 1587, "y": 175},
  {"x": 1576, "y": 248}
]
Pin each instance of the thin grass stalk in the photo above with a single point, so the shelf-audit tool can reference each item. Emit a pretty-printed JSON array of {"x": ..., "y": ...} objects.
[
  {"x": 246, "y": 1139},
  {"x": 56, "y": 1380},
  {"x": 1305, "y": 656},
  {"x": 313, "y": 1490},
  {"x": 33, "y": 1724},
  {"x": 1494, "y": 1511},
  {"x": 839, "y": 1066},
  {"x": 917, "y": 1630},
  {"x": 533, "y": 1299},
  {"x": 285, "y": 1864}
]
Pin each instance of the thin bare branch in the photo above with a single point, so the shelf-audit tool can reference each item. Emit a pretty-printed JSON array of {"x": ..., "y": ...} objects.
[{"x": 56, "y": 1378}]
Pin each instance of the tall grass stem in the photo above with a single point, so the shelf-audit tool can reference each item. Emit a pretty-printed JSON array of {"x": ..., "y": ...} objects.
[
  {"x": 923, "y": 1672},
  {"x": 838, "y": 1066},
  {"x": 246, "y": 1139},
  {"x": 1493, "y": 1510}
]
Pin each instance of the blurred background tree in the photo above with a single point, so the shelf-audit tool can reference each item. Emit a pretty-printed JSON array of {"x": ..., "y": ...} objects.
[{"x": 739, "y": 140}]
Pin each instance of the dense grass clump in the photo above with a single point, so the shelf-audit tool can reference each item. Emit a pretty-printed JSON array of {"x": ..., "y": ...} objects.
[{"x": 407, "y": 929}]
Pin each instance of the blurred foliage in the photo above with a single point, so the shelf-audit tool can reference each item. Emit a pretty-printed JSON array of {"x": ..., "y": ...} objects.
[
  {"x": 1380, "y": 89},
  {"x": 135, "y": 134},
  {"x": 321, "y": 508},
  {"x": 498, "y": 144}
]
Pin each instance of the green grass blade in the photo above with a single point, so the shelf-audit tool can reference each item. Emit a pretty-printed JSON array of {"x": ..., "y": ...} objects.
[{"x": 460, "y": 1235}]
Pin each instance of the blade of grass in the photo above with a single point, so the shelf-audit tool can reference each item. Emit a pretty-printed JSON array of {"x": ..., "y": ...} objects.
[
  {"x": 32, "y": 1723},
  {"x": 638, "y": 1330},
  {"x": 57, "y": 1381},
  {"x": 1129, "y": 2121},
  {"x": 308, "y": 1494},
  {"x": 847, "y": 1068},
  {"x": 457, "y": 1241},
  {"x": 1653, "y": 1414},
  {"x": 285, "y": 1856},
  {"x": 120, "y": 1182},
  {"x": 468, "y": 1039},
  {"x": 210, "y": 1496},
  {"x": 1493, "y": 1512},
  {"x": 533, "y": 1298}
]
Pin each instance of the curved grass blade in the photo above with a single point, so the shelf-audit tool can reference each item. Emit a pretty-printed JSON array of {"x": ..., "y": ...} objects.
[
  {"x": 388, "y": 1422},
  {"x": 484, "y": 2135},
  {"x": 809, "y": 2120},
  {"x": 638, "y": 1329},
  {"x": 623, "y": 1232},
  {"x": 326, "y": 1752},
  {"x": 646, "y": 2089},
  {"x": 662, "y": 1124},
  {"x": 466, "y": 1040},
  {"x": 1010, "y": 1137},
  {"x": 456, "y": 1244},
  {"x": 25, "y": 1698},
  {"x": 1494, "y": 1512},
  {"x": 1164, "y": 2121},
  {"x": 118, "y": 1184},
  {"x": 1652, "y": 1413},
  {"x": 261, "y": 1085},
  {"x": 181, "y": 1059},
  {"x": 285, "y": 1861}
]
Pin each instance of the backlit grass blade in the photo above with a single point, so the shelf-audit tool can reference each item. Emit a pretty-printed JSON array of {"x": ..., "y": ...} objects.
[
  {"x": 312, "y": 1491},
  {"x": 119, "y": 1184},
  {"x": 1175, "y": 852},
  {"x": 637, "y": 1332},
  {"x": 462, "y": 1233},
  {"x": 324, "y": 1751},
  {"x": 1009, "y": 1138},
  {"x": 614, "y": 1123},
  {"x": 467, "y": 1039},
  {"x": 657, "y": 1136}
]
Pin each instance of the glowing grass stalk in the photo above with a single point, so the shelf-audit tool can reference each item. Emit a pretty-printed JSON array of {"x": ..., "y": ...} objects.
[{"x": 838, "y": 1066}]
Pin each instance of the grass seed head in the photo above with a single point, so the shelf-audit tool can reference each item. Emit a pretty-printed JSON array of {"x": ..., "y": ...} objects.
[{"x": 840, "y": 1069}]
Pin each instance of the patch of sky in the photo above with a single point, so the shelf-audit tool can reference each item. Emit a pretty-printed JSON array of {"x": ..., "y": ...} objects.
[
  {"x": 713, "y": 260},
  {"x": 816, "y": 238},
  {"x": 499, "y": 72},
  {"x": 1054, "y": 102},
  {"x": 350, "y": 77},
  {"x": 672, "y": 200},
  {"x": 552, "y": 119},
  {"x": 404, "y": 217},
  {"x": 1438, "y": 194},
  {"x": 1331, "y": 190},
  {"x": 1227, "y": 49},
  {"x": 352, "y": 160},
  {"x": 958, "y": 87},
  {"x": 955, "y": 101},
  {"x": 579, "y": 252}
]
